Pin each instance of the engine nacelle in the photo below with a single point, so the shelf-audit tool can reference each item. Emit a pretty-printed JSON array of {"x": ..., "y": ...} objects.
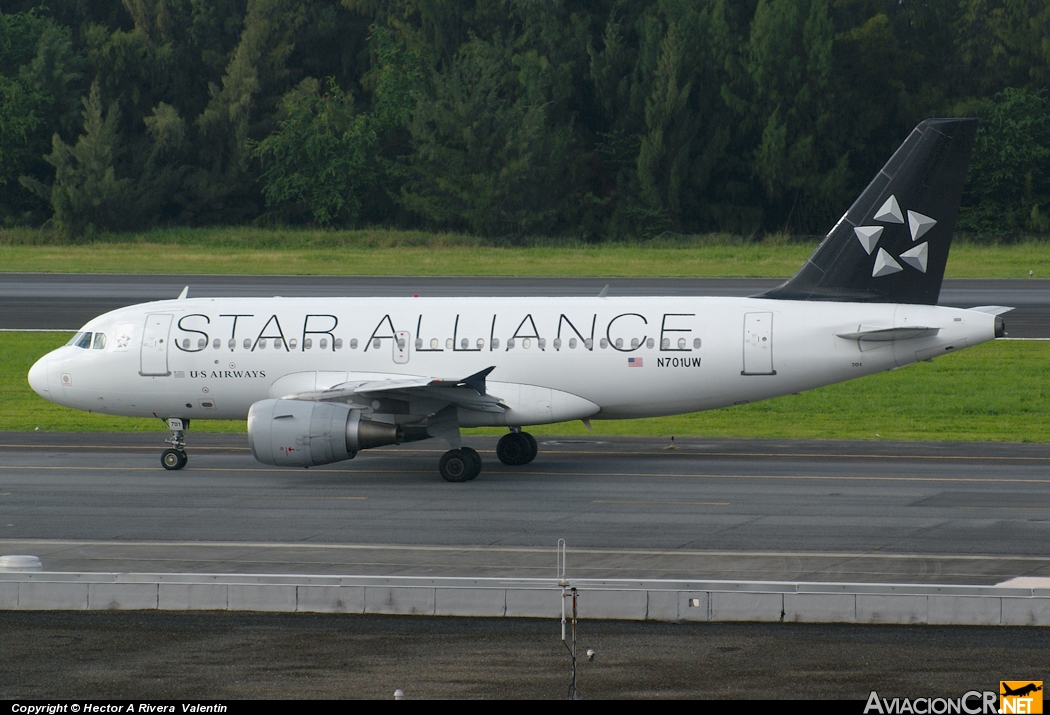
[{"x": 302, "y": 433}]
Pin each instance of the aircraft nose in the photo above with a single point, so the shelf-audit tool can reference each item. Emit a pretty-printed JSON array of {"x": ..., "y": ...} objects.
[{"x": 38, "y": 378}]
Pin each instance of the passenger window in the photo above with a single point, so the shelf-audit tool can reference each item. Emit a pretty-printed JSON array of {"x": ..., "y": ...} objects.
[
  {"x": 557, "y": 343},
  {"x": 292, "y": 343},
  {"x": 495, "y": 343},
  {"x": 261, "y": 344},
  {"x": 100, "y": 341},
  {"x": 216, "y": 344},
  {"x": 323, "y": 344},
  {"x": 449, "y": 343},
  {"x": 696, "y": 342},
  {"x": 277, "y": 343},
  {"x": 649, "y": 343},
  {"x": 433, "y": 343},
  {"x": 526, "y": 343},
  {"x": 419, "y": 343},
  {"x": 481, "y": 343},
  {"x": 353, "y": 343},
  {"x": 464, "y": 344},
  {"x": 604, "y": 343},
  {"x": 619, "y": 343},
  {"x": 510, "y": 344},
  {"x": 376, "y": 344},
  {"x": 681, "y": 343},
  {"x": 572, "y": 343},
  {"x": 308, "y": 343},
  {"x": 201, "y": 342},
  {"x": 84, "y": 341},
  {"x": 337, "y": 343},
  {"x": 247, "y": 343}
]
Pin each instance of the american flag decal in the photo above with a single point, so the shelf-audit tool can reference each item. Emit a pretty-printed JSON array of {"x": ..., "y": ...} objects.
[{"x": 634, "y": 362}]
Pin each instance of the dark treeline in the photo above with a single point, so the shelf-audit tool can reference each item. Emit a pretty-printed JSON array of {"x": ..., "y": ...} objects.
[{"x": 599, "y": 120}]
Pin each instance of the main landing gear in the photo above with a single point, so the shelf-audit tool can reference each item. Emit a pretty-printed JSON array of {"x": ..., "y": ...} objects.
[
  {"x": 460, "y": 465},
  {"x": 175, "y": 458},
  {"x": 517, "y": 448},
  {"x": 464, "y": 464}
]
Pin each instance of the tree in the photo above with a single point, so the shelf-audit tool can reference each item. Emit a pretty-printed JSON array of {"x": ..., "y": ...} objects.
[
  {"x": 1008, "y": 186},
  {"x": 320, "y": 159},
  {"x": 87, "y": 195}
]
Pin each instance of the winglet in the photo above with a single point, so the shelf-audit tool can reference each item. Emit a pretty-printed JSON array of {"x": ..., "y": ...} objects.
[
  {"x": 477, "y": 380},
  {"x": 604, "y": 291},
  {"x": 184, "y": 293}
]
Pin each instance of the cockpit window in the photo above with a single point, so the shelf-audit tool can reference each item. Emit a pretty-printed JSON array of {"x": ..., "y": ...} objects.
[
  {"x": 81, "y": 340},
  {"x": 100, "y": 341}
]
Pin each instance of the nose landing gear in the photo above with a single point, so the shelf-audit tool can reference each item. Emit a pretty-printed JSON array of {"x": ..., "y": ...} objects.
[{"x": 175, "y": 458}]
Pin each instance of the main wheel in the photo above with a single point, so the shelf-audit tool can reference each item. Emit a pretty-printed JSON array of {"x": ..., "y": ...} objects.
[
  {"x": 534, "y": 448},
  {"x": 513, "y": 449},
  {"x": 458, "y": 465},
  {"x": 477, "y": 461},
  {"x": 172, "y": 459}
]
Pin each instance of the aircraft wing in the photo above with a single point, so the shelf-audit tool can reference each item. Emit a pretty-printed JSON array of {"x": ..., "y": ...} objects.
[{"x": 469, "y": 392}]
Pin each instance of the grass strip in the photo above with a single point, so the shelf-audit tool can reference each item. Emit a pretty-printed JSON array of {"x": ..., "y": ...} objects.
[
  {"x": 242, "y": 250},
  {"x": 993, "y": 392}
]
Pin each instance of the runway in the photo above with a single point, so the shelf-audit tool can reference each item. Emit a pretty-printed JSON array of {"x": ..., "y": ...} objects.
[
  {"x": 67, "y": 301},
  {"x": 628, "y": 508}
]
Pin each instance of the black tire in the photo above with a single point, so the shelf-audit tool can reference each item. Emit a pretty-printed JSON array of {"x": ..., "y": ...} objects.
[
  {"x": 456, "y": 466},
  {"x": 477, "y": 462},
  {"x": 513, "y": 449},
  {"x": 173, "y": 459},
  {"x": 534, "y": 448}
]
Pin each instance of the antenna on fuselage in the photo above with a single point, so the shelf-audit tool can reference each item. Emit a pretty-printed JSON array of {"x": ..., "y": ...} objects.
[
  {"x": 184, "y": 293},
  {"x": 604, "y": 291}
]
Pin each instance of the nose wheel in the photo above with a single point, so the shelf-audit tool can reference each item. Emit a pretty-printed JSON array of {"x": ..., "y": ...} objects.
[
  {"x": 517, "y": 448},
  {"x": 175, "y": 458}
]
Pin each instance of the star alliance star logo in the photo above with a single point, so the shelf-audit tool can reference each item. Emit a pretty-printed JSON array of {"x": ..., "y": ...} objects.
[{"x": 918, "y": 225}]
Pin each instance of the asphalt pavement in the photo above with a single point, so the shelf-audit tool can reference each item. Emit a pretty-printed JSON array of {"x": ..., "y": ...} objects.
[{"x": 627, "y": 507}]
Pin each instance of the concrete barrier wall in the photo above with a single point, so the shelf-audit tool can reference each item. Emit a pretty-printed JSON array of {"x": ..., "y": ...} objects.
[{"x": 713, "y": 601}]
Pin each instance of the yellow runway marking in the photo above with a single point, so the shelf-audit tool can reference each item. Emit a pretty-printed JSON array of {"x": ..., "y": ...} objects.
[
  {"x": 290, "y": 497},
  {"x": 1021, "y": 508},
  {"x": 626, "y": 475},
  {"x": 644, "y": 501}
]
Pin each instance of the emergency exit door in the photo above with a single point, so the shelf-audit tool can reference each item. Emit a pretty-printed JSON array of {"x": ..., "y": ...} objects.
[
  {"x": 153, "y": 358},
  {"x": 758, "y": 344}
]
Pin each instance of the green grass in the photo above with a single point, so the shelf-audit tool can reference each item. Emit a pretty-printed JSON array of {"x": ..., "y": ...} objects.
[
  {"x": 385, "y": 252},
  {"x": 994, "y": 392}
]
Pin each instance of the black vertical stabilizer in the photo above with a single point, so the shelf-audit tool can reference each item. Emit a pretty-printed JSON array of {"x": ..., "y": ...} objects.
[{"x": 892, "y": 244}]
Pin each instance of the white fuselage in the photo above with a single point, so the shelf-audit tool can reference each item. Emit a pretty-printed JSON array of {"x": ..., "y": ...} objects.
[{"x": 555, "y": 359}]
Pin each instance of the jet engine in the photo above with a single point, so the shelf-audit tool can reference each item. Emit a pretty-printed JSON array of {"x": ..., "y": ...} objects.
[{"x": 302, "y": 433}]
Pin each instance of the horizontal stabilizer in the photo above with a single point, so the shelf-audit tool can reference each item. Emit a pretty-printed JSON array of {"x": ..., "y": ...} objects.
[
  {"x": 992, "y": 309},
  {"x": 888, "y": 335}
]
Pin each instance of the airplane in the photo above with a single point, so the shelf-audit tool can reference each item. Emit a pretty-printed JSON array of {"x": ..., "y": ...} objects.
[
  {"x": 319, "y": 380},
  {"x": 1023, "y": 691}
]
